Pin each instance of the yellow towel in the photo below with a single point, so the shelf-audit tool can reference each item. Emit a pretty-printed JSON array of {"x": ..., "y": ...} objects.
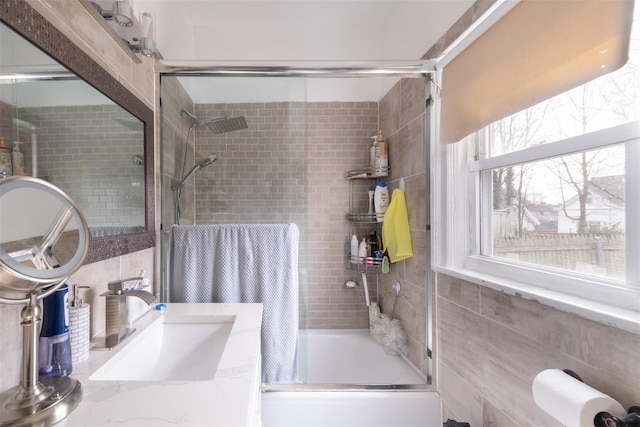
[{"x": 396, "y": 235}]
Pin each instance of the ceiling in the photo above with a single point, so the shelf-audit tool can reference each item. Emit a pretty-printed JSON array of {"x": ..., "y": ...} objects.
[{"x": 283, "y": 30}]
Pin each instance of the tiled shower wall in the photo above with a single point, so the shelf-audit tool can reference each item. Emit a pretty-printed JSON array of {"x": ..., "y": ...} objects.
[
  {"x": 403, "y": 118},
  {"x": 290, "y": 166}
]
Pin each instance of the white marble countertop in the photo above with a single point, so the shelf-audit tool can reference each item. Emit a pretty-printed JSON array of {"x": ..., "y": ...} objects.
[{"x": 231, "y": 398}]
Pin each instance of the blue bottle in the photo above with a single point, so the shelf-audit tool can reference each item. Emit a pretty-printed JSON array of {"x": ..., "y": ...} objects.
[{"x": 54, "y": 358}]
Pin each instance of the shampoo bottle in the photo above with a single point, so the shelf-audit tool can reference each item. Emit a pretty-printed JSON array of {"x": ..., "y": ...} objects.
[
  {"x": 18, "y": 159},
  {"x": 354, "y": 249},
  {"x": 6, "y": 168},
  {"x": 372, "y": 155},
  {"x": 381, "y": 200}
]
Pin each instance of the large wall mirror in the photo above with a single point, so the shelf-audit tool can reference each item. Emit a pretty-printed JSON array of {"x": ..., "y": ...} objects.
[{"x": 78, "y": 128}]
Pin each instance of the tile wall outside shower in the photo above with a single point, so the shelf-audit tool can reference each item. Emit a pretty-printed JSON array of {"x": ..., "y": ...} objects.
[
  {"x": 491, "y": 345},
  {"x": 96, "y": 276}
]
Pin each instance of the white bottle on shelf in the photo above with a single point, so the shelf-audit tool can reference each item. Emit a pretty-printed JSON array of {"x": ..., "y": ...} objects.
[
  {"x": 354, "y": 249},
  {"x": 381, "y": 200},
  {"x": 362, "y": 250}
]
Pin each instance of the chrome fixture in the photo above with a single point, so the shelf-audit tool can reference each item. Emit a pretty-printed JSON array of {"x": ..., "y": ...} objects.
[
  {"x": 136, "y": 34},
  {"x": 121, "y": 13},
  {"x": 147, "y": 47},
  {"x": 312, "y": 69},
  {"x": 116, "y": 310},
  {"x": 218, "y": 125},
  {"x": 177, "y": 185}
]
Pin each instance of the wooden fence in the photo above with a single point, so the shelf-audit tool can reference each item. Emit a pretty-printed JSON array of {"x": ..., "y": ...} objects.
[{"x": 599, "y": 255}]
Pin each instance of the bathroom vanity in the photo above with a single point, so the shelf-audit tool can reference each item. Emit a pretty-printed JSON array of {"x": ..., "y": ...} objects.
[{"x": 164, "y": 374}]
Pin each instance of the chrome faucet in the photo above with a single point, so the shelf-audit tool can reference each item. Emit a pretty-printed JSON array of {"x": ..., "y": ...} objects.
[{"x": 116, "y": 311}]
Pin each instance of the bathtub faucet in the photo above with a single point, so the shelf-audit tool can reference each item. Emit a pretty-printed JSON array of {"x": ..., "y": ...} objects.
[{"x": 116, "y": 310}]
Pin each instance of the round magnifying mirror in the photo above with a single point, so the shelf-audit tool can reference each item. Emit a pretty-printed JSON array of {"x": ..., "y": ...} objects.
[{"x": 43, "y": 236}]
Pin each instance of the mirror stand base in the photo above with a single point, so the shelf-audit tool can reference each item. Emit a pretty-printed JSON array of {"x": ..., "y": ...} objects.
[{"x": 54, "y": 398}]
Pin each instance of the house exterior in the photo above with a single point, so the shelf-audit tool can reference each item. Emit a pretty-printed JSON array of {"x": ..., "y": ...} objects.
[{"x": 605, "y": 207}]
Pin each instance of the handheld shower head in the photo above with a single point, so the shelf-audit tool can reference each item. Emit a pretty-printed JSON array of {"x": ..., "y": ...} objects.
[
  {"x": 176, "y": 185},
  {"x": 207, "y": 160}
]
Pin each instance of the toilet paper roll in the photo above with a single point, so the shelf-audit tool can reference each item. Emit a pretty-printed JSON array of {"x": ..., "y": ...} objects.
[
  {"x": 79, "y": 325},
  {"x": 570, "y": 401}
]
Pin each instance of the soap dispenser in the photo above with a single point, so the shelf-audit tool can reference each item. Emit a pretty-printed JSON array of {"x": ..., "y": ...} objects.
[{"x": 54, "y": 357}]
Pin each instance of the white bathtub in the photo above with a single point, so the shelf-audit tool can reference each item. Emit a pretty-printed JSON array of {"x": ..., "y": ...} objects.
[
  {"x": 332, "y": 366},
  {"x": 329, "y": 356}
]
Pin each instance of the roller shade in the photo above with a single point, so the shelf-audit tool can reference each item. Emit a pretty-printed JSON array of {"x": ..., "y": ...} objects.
[{"x": 537, "y": 50}]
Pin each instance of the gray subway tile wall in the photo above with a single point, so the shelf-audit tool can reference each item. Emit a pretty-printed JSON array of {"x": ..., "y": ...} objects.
[{"x": 290, "y": 166}]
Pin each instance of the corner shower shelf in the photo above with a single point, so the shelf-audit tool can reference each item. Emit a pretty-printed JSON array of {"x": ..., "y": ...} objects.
[
  {"x": 365, "y": 218},
  {"x": 368, "y": 173},
  {"x": 360, "y": 219},
  {"x": 358, "y": 175}
]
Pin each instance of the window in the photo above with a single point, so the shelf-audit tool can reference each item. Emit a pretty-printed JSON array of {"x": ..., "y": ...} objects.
[{"x": 549, "y": 197}]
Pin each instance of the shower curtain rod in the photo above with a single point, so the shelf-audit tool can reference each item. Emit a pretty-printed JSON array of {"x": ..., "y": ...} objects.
[{"x": 320, "y": 69}]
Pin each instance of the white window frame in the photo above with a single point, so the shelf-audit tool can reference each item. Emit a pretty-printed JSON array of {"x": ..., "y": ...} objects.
[{"x": 456, "y": 225}]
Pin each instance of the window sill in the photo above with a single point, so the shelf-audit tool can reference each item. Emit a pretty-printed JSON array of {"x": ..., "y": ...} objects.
[{"x": 614, "y": 316}]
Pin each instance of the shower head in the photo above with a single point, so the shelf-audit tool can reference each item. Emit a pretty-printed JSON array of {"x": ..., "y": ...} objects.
[
  {"x": 218, "y": 125},
  {"x": 226, "y": 124},
  {"x": 176, "y": 185}
]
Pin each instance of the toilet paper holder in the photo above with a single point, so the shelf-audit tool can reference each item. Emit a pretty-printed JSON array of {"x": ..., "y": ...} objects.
[
  {"x": 605, "y": 419},
  {"x": 632, "y": 419}
]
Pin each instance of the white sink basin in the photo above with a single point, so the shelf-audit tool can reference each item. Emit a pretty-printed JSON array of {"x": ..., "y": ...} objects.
[{"x": 174, "y": 348}]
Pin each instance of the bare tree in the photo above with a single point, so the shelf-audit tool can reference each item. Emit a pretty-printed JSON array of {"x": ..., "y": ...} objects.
[
  {"x": 615, "y": 95},
  {"x": 516, "y": 132}
]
